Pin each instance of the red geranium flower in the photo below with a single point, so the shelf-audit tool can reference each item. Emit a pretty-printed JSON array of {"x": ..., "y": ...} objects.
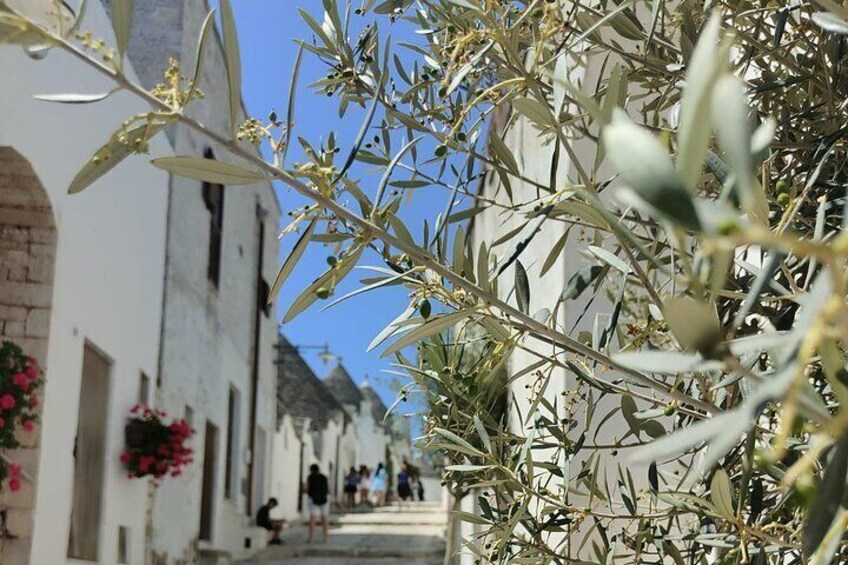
[{"x": 21, "y": 381}]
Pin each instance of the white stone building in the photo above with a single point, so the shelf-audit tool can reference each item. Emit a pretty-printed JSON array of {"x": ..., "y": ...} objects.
[
  {"x": 313, "y": 428},
  {"x": 377, "y": 433},
  {"x": 363, "y": 406},
  {"x": 81, "y": 290},
  {"x": 144, "y": 288},
  {"x": 216, "y": 361}
]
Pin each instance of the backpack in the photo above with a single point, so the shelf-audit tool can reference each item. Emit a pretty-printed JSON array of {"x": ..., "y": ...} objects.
[{"x": 318, "y": 489}]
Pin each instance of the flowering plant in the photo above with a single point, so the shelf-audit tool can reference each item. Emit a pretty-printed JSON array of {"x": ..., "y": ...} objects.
[
  {"x": 20, "y": 380},
  {"x": 154, "y": 448}
]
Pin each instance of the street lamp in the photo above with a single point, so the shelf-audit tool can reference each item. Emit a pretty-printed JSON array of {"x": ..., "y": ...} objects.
[{"x": 324, "y": 352}]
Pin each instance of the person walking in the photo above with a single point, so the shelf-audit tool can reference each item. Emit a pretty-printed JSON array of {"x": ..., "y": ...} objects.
[
  {"x": 351, "y": 486},
  {"x": 420, "y": 485},
  {"x": 404, "y": 487},
  {"x": 380, "y": 484},
  {"x": 365, "y": 486},
  {"x": 318, "y": 491}
]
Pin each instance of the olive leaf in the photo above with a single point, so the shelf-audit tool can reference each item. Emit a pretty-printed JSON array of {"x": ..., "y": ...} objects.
[
  {"x": 208, "y": 170},
  {"x": 232, "y": 55},
  {"x": 121, "y": 145},
  {"x": 647, "y": 168}
]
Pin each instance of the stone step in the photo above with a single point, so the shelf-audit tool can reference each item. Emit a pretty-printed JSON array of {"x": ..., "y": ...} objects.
[
  {"x": 436, "y": 551},
  {"x": 348, "y": 561}
]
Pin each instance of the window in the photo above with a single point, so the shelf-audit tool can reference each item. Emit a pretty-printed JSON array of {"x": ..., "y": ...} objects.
[
  {"x": 213, "y": 197},
  {"x": 263, "y": 291},
  {"x": 144, "y": 390},
  {"x": 231, "y": 464}
]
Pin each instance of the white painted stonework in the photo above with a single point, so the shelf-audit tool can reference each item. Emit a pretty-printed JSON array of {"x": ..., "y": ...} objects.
[
  {"x": 106, "y": 291},
  {"x": 126, "y": 254}
]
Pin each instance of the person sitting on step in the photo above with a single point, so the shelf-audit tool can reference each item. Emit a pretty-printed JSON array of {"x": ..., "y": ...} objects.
[{"x": 274, "y": 527}]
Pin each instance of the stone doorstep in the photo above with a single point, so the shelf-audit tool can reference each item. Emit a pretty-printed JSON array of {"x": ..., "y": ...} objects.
[
  {"x": 361, "y": 553},
  {"x": 411, "y": 523}
]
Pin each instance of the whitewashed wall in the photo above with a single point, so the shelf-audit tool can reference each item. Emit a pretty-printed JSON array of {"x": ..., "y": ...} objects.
[
  {"x": 108, "y": 280},
  {"x": 208, "y": 339},
  {"x": 286, "y": 469}
]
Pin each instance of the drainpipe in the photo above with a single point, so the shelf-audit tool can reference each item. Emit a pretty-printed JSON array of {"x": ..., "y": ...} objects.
[
  {"x": 257, "y": 323},
  {"x": 151, "y": 490}
]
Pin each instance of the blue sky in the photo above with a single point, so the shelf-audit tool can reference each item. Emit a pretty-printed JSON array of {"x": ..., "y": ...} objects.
[{"x": 267, "y": 31}]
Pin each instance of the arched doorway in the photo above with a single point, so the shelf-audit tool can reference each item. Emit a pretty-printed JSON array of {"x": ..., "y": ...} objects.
[{"x": 27, "y": 257}]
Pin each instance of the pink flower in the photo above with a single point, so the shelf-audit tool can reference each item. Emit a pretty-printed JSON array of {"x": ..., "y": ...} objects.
[
  {"x": 14, "y": 470},
  {"x": 144, "y": 463},
  {"x": 21, "y": 381},
  {"x": 125, "y": 457},
  {"x": 7, "y": 402},
  {"x": 2, "y": 423},
  {"x": 15, "y": 485},
  {"x": 31, "y": 373},
  {"x": 33, "y": 402},
  {"x": 28, "y": 425}
]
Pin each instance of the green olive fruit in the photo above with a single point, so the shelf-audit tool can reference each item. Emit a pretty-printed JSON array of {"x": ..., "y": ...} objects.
[{"x": 323, "y": 293}]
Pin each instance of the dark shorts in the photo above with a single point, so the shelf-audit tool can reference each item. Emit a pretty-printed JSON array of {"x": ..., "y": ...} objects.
[
  {"x": 404, "y": 490},
  {"x": 266, "y": 525},
  {"x": 350, "y": 489}
]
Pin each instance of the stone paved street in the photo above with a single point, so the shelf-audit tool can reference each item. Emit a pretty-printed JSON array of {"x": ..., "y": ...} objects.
[{"x": 414, "y": 535}]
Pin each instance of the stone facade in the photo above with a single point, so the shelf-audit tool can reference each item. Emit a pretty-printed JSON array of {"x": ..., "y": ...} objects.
[
  {"x": 133, "y": 236},
  {"x": 67, "y": 267},
  {"x": 217, "y": 335},
  {"x": 27, "y": 256}
]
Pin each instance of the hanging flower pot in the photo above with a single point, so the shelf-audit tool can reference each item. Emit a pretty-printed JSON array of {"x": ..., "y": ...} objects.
[
  {"x": 154, "y": 448},
  {"x": 20, "y": 381},
  {"x": 134, "y": 434}
]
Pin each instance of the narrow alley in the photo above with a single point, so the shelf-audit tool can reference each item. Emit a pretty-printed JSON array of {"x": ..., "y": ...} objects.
[{"x": 414, "y": 535}]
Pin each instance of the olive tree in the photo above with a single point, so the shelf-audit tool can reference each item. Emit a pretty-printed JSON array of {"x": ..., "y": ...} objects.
[{"x": 706, "y": 185}]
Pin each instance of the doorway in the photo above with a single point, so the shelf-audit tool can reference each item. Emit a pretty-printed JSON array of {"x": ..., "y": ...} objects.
[
  {"x": 207, "y": 495},
  {"x": 90, "y": 456}
]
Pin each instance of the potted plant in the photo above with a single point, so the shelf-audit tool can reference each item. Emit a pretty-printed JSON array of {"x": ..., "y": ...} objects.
[
  {"x": 154, "y": 448},
  {"x": 20, "y": 381}
]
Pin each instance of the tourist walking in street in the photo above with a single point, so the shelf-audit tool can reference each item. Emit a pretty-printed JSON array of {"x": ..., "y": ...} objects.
[
  {"x": 273, "y": 527},
  {"x": 350, "y": 488},
  {"x": 365, "y": 486},
  {"x": 318, "y": 491},
  {"x": 404, "y": 487},
  {"x": 420, "y": 485},
  {"x": 380, "y": 484}
]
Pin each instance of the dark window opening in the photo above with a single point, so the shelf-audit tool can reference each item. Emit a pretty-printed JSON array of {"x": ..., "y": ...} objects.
[
  {"x": 229, "y": 468},
  {"x": 207, "y": 496},
  {"x": 123, "y": 545},
  {"x": 213, "y": 197},
  {"x": 144, "y": 390}
]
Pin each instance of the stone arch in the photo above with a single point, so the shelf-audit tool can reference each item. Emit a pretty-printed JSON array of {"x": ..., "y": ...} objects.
[{"x": 27, "y": 257}]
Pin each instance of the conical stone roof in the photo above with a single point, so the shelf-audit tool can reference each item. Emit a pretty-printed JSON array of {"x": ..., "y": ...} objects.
[
  {"x": 378, "y": 407},
  {"x": 342, "y": 386}
]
